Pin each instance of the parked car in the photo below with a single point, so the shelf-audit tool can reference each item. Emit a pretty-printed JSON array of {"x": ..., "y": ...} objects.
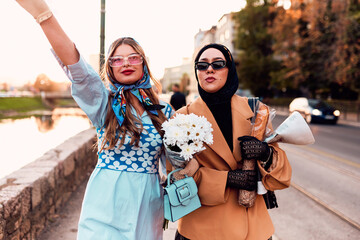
[{"x": 314, "y": 110}]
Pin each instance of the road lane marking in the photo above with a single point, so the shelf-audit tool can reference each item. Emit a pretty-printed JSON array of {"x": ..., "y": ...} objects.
[
  {"x": 329, "y": 155},
  {"x": 325, "y": 164},
  {"x": 326, "y": 206}
]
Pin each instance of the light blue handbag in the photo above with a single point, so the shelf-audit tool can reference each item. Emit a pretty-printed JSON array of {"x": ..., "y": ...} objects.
[{"x": 180, "y": 198}]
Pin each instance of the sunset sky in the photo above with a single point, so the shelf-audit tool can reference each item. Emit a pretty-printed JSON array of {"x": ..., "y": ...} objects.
[{"x": 164, "y": 28}]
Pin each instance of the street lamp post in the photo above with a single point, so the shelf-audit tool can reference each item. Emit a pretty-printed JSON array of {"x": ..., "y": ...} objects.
[{"x": 102, "y": 35}]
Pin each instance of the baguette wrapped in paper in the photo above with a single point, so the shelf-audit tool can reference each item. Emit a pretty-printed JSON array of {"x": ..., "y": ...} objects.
[
  {"x": 260, "y": 128},
  {"x": 294, "y": 130}
]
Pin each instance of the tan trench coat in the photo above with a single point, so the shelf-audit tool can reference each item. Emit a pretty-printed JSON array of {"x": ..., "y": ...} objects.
[{"x": 220, "y": 216}]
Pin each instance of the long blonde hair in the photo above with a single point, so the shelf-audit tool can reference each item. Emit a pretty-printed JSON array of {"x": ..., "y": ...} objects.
[{"x": 131, "y": 125}]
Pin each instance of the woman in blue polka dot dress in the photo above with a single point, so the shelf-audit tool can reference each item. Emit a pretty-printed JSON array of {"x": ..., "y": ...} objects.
[{"x": 123, "y": 198}]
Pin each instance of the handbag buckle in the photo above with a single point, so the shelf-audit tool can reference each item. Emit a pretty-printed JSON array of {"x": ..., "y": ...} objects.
[{"x": 183, "y": 193}]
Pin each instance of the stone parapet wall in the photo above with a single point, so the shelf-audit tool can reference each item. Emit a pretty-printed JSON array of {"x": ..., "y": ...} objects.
[{"x": 31, "y": 196}]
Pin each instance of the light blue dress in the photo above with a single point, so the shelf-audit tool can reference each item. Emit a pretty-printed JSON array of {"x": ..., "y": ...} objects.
[{"x": 123, "y": 198}]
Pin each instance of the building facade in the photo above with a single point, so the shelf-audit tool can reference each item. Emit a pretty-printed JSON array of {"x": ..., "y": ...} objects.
[{"x": 175, "y": 74}]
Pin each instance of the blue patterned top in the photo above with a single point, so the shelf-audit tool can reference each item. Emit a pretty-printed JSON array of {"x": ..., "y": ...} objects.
[{"x": 141, "y": 159}]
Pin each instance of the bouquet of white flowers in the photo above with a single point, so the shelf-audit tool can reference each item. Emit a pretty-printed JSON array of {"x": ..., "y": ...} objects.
[{"x": 184, "y": 136}]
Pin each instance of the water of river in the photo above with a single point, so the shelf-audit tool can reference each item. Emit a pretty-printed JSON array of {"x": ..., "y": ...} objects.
[{"x": 24, "y": 140}]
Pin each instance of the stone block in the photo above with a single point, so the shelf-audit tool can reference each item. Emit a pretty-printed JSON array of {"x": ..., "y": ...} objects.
[
  {"x": 25, "y": 198},
  {"x": 12, "y": 225},
  {"x": 61, "y": 199},
  {"x": 2, "y": 222},
  {"x": 51, "y": 178},
  {"x": 1, "y": 211},
  {"x": 41, "y": 191},
  {"x": 2, "y": 228},
  {"x": 35, "y": 195},
  {"x": 9, "y": 197},
  {"x": 25, "y": 228},
  {"x": 26, "y": 237},
  {"x": 69, "y": 165},
  {"x": 37, "y": 228},
  {"x": 66, "y": 196},
  {"x": 51, "y": 211},
  {"x": 80, "y": 154},
  {"x": 67, "y": 149},
  {"x": 26, "y": 176},
  {"x": 14, "y": 236},
  {"x": 58, "y": 204},
  {"x": 9, "y": 192}
]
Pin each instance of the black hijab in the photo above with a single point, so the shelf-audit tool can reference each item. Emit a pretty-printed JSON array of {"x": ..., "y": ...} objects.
[{"x": 219, "y": 102}]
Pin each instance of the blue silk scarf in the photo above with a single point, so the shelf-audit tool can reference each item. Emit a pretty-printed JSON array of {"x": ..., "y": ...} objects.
[{"x": 137, "y": 89}]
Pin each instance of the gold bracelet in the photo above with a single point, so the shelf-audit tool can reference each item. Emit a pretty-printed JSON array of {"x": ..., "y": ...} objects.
[
  {"x": 263, "y": 164},
  {"x": 44, "y": 16}
]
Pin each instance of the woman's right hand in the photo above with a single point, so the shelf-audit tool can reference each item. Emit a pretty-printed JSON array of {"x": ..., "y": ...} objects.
[
  {"x": 190, "y": 169},
  {"x": 34, "y": 7}
]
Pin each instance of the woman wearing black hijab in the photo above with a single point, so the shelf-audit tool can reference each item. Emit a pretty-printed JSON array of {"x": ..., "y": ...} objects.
[{"x": 218, "y": 171}]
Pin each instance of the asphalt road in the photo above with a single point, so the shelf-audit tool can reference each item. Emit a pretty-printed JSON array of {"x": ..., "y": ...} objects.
[{"x": 323, "y": 200}]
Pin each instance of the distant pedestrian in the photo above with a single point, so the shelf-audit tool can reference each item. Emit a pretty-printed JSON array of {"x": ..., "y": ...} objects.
[
  {"x": 178, "y": 99},
  {"x": 123, "y": 198}
]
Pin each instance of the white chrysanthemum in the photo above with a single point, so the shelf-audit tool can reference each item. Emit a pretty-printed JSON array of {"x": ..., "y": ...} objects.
[
  {"x": 187, "y": 152},
  {"x": 208, "y": 139},
  {"x": 198, "y": 146},
  {"x": 175, "y": 135},
  {"x": 197, "y": 134}
]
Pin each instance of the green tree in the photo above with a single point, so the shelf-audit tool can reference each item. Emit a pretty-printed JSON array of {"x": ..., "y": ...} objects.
[
  {"x": 285, "y": 41},
  {"x": 327, "y": 57},
  {"x": 256, "y": 61},
  {"x": 318, "y": 44},
  {"x": 44, "y": 84},
  {"x": 353, "y": 49}
]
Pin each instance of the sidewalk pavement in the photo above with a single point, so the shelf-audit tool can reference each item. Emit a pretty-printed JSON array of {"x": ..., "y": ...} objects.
[{"x": 64, "y": 225}]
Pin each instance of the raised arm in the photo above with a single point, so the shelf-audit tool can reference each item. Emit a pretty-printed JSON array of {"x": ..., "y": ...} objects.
[
  {"x": 60, "y": 42},
  {"x": 87, "y": 88}
]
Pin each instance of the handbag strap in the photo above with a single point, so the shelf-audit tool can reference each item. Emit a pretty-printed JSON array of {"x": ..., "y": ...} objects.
[{"x": 169, "y": 175}]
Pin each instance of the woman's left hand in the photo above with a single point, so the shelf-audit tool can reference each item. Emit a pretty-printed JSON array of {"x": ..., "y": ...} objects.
[{"x": 190, "y": 169}]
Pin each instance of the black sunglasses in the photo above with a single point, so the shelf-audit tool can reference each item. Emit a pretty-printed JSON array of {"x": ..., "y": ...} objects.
[{"x": 216, "y": 65}]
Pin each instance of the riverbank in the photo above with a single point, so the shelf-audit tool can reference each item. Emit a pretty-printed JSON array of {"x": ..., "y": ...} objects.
[{"x": 20, "y": 107}]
